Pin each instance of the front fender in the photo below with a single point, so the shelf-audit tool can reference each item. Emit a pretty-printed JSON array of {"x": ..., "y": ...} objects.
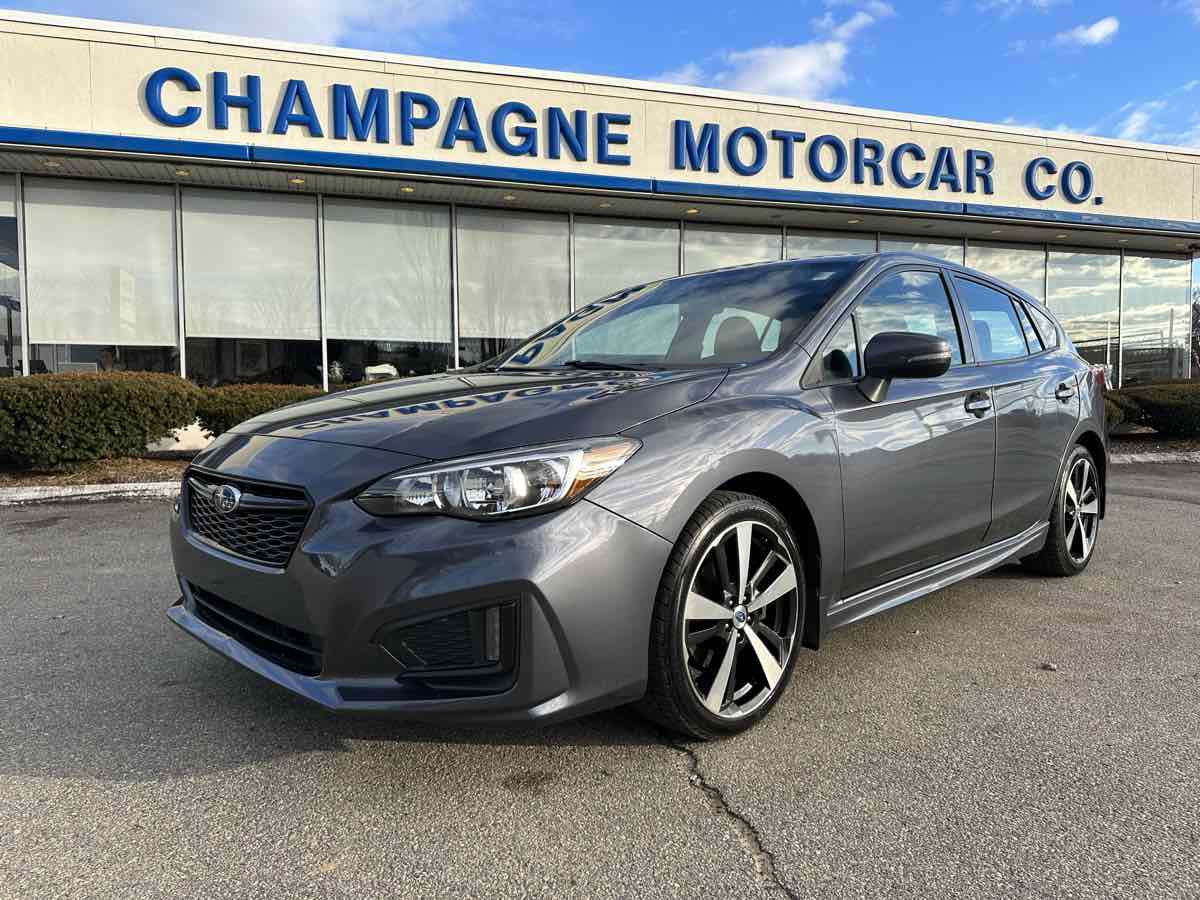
[{"x": 691, "y": 453}]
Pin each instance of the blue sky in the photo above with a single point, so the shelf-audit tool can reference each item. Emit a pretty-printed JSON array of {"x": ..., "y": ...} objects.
[{"x": 1121, "y": 69}]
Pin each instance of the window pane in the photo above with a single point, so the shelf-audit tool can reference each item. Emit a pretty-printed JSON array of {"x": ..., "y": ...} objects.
[
  {"x": 512, "y": 278},
  {"x": 1042, "y": 322},
  {"x": 808, "y": 244},
  {"x": 1084, "y": 296},
  {"x": 994, "y": 319},
  {"x": 949, "y": 250},
  {"x": 101, "y": 259},
  {"x": 387, "y": 289},
  {"x": 10, "y": 281},
  {"x": 1032, "y": 339},
  {"x": 909, "y": 301},
  {"x": 101, "y": 358},
  {"x": 250, "y": 265},
  {"x": 714, "y": 246},
  {"x": 1155, "y": 319},
  {"x": 839, "y": 360},
  {"x": 214, "y": 361},
  {"x": 611, "y": 254},
  {"x": 1022, "y": 267}
]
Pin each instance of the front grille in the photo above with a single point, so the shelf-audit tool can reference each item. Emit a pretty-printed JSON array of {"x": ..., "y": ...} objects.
[
  {"x": 265, "y": 526},
  {"x": 289, "y": 647}
]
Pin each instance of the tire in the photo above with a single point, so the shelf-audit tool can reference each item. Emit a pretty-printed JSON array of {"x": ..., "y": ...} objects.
[
  {"x": 696, "y": 642},
  {"x": 1074, "y": 520}
]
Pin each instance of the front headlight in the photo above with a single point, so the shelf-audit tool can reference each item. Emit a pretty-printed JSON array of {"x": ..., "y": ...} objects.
[{"x": 500, "y": 484}]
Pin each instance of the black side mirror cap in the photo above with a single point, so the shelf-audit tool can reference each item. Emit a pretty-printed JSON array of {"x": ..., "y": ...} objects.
[{"x": 902, "y": 354}]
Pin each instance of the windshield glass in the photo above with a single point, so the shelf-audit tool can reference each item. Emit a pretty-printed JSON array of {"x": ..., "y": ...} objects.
[{"x": 724, "y": 317}]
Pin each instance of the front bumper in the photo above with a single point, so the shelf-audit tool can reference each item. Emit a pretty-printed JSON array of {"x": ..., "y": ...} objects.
[{"x": 582, "y": 582}]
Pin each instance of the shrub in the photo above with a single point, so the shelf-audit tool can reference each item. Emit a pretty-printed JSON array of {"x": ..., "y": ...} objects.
[
  {"x": 1171, "y": 409},
  {"x": 53, "y": 420},
  {"x": 1114, "y": 413},
  {"x": 221, "y": 408}
]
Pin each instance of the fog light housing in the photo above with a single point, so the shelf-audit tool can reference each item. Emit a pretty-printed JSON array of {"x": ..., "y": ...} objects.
[{"x": 469, "y": 641}]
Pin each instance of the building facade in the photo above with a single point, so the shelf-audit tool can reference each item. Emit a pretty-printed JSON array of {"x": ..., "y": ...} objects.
[{"x": 244, "y": 210}]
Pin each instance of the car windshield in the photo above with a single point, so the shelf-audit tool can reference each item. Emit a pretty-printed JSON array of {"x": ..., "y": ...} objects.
[{"x": 724, "y": 317}]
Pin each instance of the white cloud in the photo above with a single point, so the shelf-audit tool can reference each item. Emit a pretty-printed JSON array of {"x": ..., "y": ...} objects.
[
  {"x": 1006, "y": 8},
  {"x": 1098, "y": 33},
  {"x": 808, "y": 71},
  {"x": 1137, "y": 120},
  {"x": 309, "y": 21}
]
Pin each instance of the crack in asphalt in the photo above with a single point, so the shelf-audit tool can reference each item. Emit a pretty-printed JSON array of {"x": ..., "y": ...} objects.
[{"x": 748, "y": 835}]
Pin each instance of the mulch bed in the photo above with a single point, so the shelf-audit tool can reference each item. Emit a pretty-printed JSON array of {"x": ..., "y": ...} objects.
[
  {"x": 104, "y": 471},
  {"x": 1143, "y": 440}
]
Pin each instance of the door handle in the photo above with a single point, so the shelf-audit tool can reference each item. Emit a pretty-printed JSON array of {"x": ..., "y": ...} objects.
[
  {"x": 1065, "y": 391},
  {"x": 978, "y": 403}
]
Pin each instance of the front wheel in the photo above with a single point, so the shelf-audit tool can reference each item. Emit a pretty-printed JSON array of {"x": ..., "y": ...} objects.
[
  {"x": 1074, "y": 521},
  {"x": 727, "y": 620}
]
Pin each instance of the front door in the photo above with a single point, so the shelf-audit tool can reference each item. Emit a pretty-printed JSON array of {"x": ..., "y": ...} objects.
[{"x": 917, "y": 466}]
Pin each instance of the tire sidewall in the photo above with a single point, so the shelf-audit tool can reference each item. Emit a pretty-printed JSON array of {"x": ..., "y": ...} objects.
[{"x": 745, "y": 508}]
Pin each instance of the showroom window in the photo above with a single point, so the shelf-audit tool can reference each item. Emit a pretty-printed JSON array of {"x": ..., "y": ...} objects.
[
  {"x": 10, "y": 280},
  {"x": 387, "y": 289},
  {"x": 611, "y": 254},
  {"x": 949, "y": 250},
  {"x": 810, "y": 244},
  {"x": 1021, "y": 266},
  {"x": 110, "y": 304},
  {"x": 716, "y": 246},
  {"x": 1156, "y": 318},
  {"x": 250, "y": 287},
  {"x": 513, "y": 278},
  {"x": 1084, "y": 294}
]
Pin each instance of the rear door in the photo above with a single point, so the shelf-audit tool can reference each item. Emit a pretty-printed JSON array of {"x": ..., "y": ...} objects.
[
  {"x": 1036, "y": 402},
  {"x": 917, "y": 466}
]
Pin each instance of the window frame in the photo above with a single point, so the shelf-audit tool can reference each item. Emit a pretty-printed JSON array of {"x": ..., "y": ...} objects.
[
  {"x": 812, "y": 374},
  {"x": 983, "y": 282},
  {"x": 1058, "y": 337}
]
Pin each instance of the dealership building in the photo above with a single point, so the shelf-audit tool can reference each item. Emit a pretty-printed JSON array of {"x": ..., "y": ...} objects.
[{"x": 238, "y": 209}]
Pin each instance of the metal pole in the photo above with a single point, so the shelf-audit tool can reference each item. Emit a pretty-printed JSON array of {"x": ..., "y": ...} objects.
[
  {"x": 321, "y": 290},
  {"x": 23, "y": 274},
  {"x": 180, "y": 310},
  {"x": 454, "y": 354},
  {"x": 682, "y": 257},
  {"x": 1121, "y": 322},
  {"x": 571, "y": 258}
]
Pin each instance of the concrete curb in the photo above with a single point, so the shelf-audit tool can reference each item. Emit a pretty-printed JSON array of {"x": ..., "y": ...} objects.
[
  {"x": 1171, "y": 456},
  {"x": 146, "y": 490}
]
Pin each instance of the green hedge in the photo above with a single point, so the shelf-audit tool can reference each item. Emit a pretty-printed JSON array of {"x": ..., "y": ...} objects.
[
  {"x": 1171, "y": 409},
  {"x": 221, "y": 408},
  {"x": 53, "y": 420},
  {"x": 1114, "y": 412}
]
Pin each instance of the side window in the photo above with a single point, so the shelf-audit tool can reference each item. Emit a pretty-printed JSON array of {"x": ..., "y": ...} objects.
[
  {"x": 1031, "y": 336},
  {"x": 839, "y": 359},
  {"x": 995, "y": 321},
  {"x": 1044, "y": 325},
  {"x": 909, "y": 301}
]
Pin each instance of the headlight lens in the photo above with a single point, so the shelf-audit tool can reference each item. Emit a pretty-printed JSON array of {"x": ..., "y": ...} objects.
[{"x": 499, "y": 484}]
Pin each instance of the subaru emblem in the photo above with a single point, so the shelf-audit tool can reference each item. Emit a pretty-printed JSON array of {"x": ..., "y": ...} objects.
[{"x": 227, "y": 498}]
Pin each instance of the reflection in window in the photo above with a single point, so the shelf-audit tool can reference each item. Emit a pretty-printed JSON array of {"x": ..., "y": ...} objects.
[
  {"x": 10, "y": 281},
  {"x": 611, "y": 254},
  {"x": 250, "y": 275},
  {"x": 1021, "y": 266},
  {"x": 1084, "y": 293},
  {"x": 998, "y": 331},
  {"x": 109, "y": 304},
  {"x": 1156, "y": 318},
  {"x": 387, "y": 289},
  {"x": 513, "y": 276},
  {"x": 717, "y": 246},
  {"x": 909, "y": 301},
  {"x": 949, "y": 250},
  {"x": 809, "y": 244}
]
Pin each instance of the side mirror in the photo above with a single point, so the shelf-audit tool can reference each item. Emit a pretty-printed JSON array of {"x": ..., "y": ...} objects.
[{"x": 902, "y": 354}]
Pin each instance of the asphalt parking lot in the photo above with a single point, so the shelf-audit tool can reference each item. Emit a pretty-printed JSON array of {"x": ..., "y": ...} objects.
[{"x": 924, "y": 753}]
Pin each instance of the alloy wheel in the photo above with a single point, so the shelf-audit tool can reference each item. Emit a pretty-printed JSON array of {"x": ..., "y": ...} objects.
[
  {"x": 739, "y": 621},
  {"x": 1081, "y": 511}
]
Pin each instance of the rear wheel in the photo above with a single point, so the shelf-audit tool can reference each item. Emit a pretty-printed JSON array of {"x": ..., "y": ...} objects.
[
  {"x": 727, "y": 620},
  {"x": 1075, "y": 520}
]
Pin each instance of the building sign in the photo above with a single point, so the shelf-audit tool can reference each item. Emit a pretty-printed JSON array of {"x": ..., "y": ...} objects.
[{"x": 177, "y": 98}]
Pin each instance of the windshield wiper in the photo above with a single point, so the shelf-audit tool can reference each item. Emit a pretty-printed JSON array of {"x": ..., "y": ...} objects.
[{"x": 601, "y": 364}]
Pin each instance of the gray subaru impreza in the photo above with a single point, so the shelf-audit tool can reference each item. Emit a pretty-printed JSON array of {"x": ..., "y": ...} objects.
[{"x": 658, "y": 500}]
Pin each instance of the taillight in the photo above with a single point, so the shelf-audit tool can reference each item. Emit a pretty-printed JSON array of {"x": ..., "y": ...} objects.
[{"x": 1098, "y": 376}]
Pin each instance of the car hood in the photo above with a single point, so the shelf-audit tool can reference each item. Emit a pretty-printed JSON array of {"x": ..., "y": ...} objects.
[{"x": 462, "y": 413}]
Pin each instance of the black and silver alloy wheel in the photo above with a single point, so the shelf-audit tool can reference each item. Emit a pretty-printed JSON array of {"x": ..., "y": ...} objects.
[
  {"x": 739, "y": 619},
  {"x": 728, "y": 619},
  {"x": 1081, "y": 510}
]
